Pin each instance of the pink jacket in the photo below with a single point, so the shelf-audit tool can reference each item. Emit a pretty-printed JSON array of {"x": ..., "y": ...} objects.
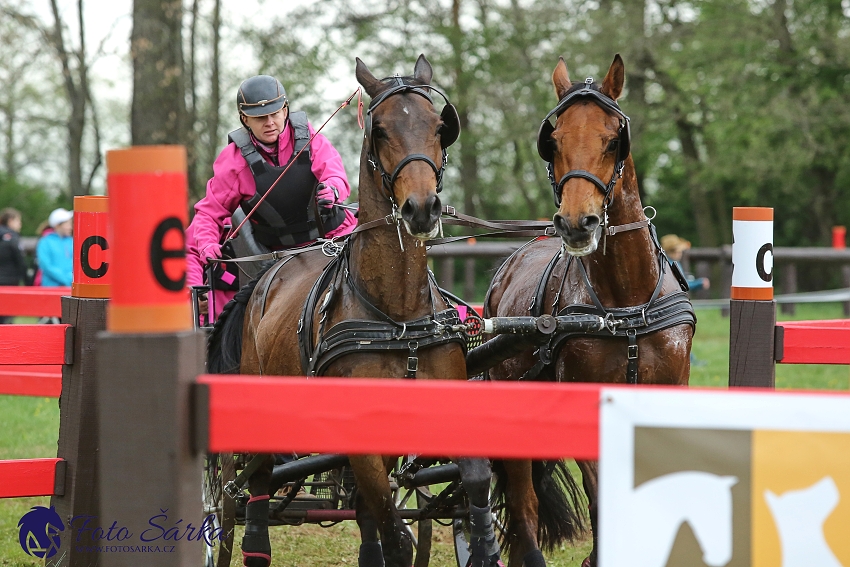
[{"x": 232, "y": 183}]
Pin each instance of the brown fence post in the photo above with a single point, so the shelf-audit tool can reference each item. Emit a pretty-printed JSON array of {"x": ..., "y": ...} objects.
[
  {"x": 752, "y": 309},
  {"x": 79, "y": 441},
  {"x": 146, "y": 363},
  {"x": 789, "y": 285}
]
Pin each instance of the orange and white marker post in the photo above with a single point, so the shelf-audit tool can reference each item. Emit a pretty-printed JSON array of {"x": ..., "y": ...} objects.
[
  {"x": 92, "y": 275},
  {"x": 148, "y": 208},
  {"x": 149, "y": 356},
  {"x": 752, "y": 310}
]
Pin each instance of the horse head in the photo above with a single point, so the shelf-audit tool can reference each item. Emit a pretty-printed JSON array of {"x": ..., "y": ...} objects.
[
  {"x": 405, "y": 144},
  {"x": 586, "y": 149}
]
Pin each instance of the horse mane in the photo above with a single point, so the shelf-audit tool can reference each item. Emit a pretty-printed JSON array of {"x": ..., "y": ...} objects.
[{"x": 224, "y": 345}]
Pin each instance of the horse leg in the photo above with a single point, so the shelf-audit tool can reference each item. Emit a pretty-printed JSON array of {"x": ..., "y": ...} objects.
[
  {"x": 371, "y": 554},
  {"x": 522, "y": 503},
  {"x": 476, "y": 475},
  {"x": 256, "y": 548},
  {"x": 374, "y": 490},
  {"x": 589, "y": 478}
]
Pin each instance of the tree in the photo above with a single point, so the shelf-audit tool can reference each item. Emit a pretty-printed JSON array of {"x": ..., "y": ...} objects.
[
  {"x": 158, "y": 112},
  {"x": 74, "y": 66}
]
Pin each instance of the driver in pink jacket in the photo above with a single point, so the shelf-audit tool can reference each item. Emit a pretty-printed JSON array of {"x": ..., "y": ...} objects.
[{"x": 248, "y": 168}]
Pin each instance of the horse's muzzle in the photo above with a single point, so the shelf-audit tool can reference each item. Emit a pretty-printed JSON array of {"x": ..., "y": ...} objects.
[
  {"x": 421, "y": 220},
  {"x": 580, "y": 238}
]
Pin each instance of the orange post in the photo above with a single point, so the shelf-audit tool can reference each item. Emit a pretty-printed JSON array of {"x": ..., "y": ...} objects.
[
  {"x": 148, "y": 216},
  {"x": 91, "y": 248}
]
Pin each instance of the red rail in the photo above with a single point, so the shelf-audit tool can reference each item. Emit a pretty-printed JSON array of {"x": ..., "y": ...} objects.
[
  {"x": 35, "y": 344},
  {"x": 31, "y": 380},
  {"x": 32, "y": 477},
  {"x": 32, "y": 301},
  {"x": 816, "y": 342},
  {"x": 428, "y": 417}
]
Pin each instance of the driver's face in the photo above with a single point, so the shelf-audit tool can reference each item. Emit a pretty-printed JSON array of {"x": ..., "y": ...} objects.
[{"x": 267, "y": 128}]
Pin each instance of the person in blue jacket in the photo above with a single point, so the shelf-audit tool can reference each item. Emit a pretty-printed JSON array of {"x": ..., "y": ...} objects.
[
  {"x": 55, "y": 251},
  {"x": 675, "y": 247}
]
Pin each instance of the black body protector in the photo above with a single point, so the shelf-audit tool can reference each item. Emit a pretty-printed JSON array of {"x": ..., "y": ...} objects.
[{"x": 285, "y": 218}]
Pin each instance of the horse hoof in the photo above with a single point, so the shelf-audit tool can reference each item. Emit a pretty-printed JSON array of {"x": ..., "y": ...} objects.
[
  {"x": 371, "y": 555},
  {"x": 533, "y": 558}
]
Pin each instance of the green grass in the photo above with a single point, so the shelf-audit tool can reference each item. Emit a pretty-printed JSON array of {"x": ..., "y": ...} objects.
[{"x": 29, "y": 429}]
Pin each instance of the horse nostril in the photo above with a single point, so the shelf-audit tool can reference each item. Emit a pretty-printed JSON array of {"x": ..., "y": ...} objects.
[
  {"x": 408, "y": 210},
  {"x": 436, "y": 207},
  {"x": 590, "y": 222},
  {"x": 561, "y": 224}
]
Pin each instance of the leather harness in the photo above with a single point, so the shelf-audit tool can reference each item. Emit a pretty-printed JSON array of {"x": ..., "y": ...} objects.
[{"x": 657, "y": 314}]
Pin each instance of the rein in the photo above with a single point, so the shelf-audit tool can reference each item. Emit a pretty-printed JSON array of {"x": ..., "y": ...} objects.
[{"x": 345, "y": 103}]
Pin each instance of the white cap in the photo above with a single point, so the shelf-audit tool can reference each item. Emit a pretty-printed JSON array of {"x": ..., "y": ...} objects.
[{"x": 59, "y": 216}]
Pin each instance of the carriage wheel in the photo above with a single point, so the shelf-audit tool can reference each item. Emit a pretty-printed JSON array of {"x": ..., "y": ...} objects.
[
  {"x": 460, "y": 537},
  {"x": 218, "y": 471},
  {"x": 424, "y": 531}
]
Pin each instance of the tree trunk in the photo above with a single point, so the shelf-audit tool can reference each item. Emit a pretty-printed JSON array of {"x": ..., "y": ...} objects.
[
  {"x": 195, "y": 183},
  {"x": 77, "y": 93},
  {"x": 468, "y": 154},
  {"x": 214, "y": 118},
  {"x": 158, "y": 113}
]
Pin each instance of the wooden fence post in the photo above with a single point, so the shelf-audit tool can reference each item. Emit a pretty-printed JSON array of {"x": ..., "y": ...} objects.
[
  {"x": 79, "y": 440},
  {"x": 752, "y": 309},
  {"x": 146, "y": 363}
]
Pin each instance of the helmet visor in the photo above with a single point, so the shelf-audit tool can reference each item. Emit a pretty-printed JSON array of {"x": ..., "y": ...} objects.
[{"x": 263, "y": 107}]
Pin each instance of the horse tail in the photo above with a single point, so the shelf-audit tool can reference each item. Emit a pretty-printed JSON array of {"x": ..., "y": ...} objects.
[
  {"x": 560, "y": 500},
  {"x": 224, "y": 346}
]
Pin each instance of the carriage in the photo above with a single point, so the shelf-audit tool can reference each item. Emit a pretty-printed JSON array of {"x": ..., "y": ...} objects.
[{"x": 558, "y": 309}]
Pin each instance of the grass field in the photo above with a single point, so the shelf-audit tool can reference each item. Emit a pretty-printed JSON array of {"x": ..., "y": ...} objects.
[{"x": 29, "y": 429}]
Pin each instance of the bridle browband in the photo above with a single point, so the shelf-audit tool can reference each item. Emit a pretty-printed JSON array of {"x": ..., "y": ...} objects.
[
  {"x": 546, "y": 151},
  {"x": 451, "y": 125}
]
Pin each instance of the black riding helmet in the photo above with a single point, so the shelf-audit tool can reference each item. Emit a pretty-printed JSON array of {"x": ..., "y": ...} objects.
[{"x": 260, "y": 95}]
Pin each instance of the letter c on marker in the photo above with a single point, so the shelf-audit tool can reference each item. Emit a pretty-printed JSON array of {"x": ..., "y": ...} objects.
[
  {"x": 764, "y": 275},
  {"x": 88, "y": 270}
]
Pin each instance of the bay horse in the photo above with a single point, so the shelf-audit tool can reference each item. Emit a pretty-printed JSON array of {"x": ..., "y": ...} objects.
[
  {"x": 309, "y": 313},
  {"x": 627, "y": 280}
]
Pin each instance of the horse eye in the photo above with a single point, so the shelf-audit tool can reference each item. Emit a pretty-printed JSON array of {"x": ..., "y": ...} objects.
[
  {"x": 379, "y": 133},
  {"x": 612, "y": 145}
]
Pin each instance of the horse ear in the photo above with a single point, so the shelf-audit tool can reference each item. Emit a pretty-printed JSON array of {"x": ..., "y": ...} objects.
[
  {"x": 366, "y": 79},
  {"x": 422, "y": 71},
  {"x": 561, "y": 79},
  {"x": 612, "y": 85}
]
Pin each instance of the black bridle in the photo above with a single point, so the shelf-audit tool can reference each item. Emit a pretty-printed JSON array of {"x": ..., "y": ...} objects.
[
  {"x": 448, "y": 134},
  {"x": 546, "y": 148}
]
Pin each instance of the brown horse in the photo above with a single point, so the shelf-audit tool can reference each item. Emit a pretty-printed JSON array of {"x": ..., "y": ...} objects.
[
  {"x": 378, "y": 283},
  {"x": 625, "y": 278}
]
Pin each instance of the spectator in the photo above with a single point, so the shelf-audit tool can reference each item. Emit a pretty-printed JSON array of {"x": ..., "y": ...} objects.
[
  {"x": 675, "y": 247},
  {"x": 55, "y": 250},
  {"x": 13, "y": 270}
]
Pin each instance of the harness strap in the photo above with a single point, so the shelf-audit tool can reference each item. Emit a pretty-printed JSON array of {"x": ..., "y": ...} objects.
[{"x": 612, "y": 230}]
